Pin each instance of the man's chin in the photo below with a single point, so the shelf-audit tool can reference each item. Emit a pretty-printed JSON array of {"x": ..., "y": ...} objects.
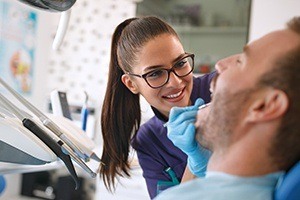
[
  {"x": 202, "y": 134},
  {"x": 202, "y": 141},
  {"x": 202, "y": 115}
]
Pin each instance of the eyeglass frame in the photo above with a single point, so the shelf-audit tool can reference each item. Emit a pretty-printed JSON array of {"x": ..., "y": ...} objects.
[{"x": 168, "y": 70}]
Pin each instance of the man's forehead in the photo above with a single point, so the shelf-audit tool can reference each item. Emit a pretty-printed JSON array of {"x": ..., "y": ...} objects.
[
  {"x": 271, "y": 47},
  {"x": 278, "y": 41}
]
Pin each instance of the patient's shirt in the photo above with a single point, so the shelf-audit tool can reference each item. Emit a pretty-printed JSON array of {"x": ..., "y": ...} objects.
[{"x": 217, "y": 185}]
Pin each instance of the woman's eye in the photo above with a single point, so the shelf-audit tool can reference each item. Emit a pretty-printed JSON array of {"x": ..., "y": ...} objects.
[
  {"x": 181, "y": 63},
  {"x": 155, "y": 74}
]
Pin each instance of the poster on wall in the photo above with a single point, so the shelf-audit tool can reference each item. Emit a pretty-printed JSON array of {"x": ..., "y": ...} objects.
[{"x": 18, "y": 28}]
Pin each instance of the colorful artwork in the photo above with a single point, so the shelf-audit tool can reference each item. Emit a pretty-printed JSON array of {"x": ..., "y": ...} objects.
[{"x": 18, "y": 27}]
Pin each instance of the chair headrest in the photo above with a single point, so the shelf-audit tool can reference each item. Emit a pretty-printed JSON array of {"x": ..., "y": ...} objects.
[{"x": 289, "y": 187}]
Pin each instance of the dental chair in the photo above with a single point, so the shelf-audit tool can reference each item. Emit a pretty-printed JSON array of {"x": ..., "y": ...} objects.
[
  {"x": 289, "y": 187},
  {"x": 2, "y": 184}
]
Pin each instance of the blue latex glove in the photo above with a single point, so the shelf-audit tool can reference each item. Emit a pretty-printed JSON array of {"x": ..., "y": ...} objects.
[{"x": 181, "y": 131}]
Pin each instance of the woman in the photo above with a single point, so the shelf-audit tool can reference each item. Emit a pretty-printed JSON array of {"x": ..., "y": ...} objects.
[{"x": 147, "y": 59}]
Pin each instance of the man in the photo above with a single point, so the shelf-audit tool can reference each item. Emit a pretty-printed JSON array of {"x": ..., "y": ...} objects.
[{"x": 252, "y": 125}]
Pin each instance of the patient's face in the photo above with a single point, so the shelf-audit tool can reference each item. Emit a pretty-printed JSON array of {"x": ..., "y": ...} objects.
[{"x": 236, "y": 86}]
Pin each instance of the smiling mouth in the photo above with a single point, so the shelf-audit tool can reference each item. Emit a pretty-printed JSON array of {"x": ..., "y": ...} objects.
[{"x": 173, "y": 96}]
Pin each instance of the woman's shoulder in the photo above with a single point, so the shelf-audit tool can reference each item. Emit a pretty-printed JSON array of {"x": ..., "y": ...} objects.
[
  {"x": 152, "y": 124},
  {"x": 205, "y": 77},
  {"x": 201, "y": 87},
  {"x": 148, "y": 131}
]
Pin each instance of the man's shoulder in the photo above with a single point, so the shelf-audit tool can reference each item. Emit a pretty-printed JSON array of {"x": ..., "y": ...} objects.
[
  {"x": 220, "y": 187},
  {"x": 148, "y": 131}
]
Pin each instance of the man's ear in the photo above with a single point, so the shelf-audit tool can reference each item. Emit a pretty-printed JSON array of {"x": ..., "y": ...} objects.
[
  {"x": 269, "y": 105},
  {"x": 129, "y": 84}
]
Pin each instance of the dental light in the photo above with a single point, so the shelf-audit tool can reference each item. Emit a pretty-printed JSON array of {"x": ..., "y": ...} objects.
[{"x": 63, "y": 6}]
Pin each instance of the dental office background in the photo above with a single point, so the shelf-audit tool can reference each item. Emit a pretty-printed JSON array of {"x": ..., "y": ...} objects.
[{"x": 28, "y": 63}]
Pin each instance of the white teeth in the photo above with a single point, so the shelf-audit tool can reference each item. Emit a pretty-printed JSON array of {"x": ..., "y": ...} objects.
[{"x": 174, "y": 95}]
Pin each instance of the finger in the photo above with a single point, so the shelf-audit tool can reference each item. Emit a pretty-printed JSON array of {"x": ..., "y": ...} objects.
[
  {"x": 190, "y": 131},
  {"x": 188, "y": 108},
  {"x": 198, "y": 102},
  {"x": 187, "y": 116},
  {"x": 185, "y": 140},
  {"x": 179, "y": 129},
  {"x": 176, "y": 110},
  {"x": 180, "y": 117},
  {"x": 178, "y": 140}
]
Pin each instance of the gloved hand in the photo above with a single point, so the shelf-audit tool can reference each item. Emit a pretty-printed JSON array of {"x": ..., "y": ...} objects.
[{"x": 181, "y": 131}]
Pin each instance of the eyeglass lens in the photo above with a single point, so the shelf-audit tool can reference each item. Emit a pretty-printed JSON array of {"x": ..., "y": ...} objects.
[{"x": 158, "y": 78}]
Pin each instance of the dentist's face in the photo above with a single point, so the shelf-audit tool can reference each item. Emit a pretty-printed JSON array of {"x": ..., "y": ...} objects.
[
  {"x": 236, "y": 86},
  {"x": 162, "y": 52}
]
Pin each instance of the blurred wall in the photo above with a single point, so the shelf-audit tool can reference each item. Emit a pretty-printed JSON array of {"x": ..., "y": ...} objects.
[{"x": 268, "y": 15}]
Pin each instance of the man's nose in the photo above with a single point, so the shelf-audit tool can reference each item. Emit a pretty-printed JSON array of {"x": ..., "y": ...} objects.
[{"x": 222, "y": 65}]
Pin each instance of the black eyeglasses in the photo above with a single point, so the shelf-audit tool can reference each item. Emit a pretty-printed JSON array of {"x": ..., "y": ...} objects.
[{"x": 159, "y": 77}]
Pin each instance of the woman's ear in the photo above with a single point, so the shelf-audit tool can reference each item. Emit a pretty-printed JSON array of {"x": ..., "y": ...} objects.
[
  {"x": 269, "y": 105},
  {"x": 131, "y": 85}
]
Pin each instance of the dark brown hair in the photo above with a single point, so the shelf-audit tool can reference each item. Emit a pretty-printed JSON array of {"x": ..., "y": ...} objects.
[
  {"x": 121, "y": 115},
  {"x": 285, "y": 76}
]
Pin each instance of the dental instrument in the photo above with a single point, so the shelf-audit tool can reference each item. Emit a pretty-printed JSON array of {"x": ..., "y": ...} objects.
[
  {"x": 60, "y": 107},
  {"x": 57, "y": 146},
  {"x": 84, "y": 112},
  {"x": 76, "y": 134},
  {"x": 200, "y": 108},
  {"x": 16, "y": 144},
  {"x": 11, "y": 128},
  {"x": 69, "y": 146},
  {"x": 44, "y": 119},
  {"x": 203, "y": 106},
  {"x": 20, "y": 150},
  {"x": 60, "y": 104}
]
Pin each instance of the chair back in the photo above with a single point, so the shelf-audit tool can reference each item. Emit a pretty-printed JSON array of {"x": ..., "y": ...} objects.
[{"x": 289, "y": 187}]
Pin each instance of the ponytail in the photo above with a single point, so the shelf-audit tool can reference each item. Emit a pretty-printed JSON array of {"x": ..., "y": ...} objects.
[
  {"x": 121, "y": 113},
  {"x": 120, "y": 118}
]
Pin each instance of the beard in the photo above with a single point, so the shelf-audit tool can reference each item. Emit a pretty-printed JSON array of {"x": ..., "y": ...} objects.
[{"x": 226, "y": 111}]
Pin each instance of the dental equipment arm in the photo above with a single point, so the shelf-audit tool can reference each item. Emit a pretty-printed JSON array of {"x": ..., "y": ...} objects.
[
  {"x": 57, "y": 146},
  {"x": 63, "y": 6},
  {"x": 44, "y": 119},
  {"x": 68, "y": 145},
  {"x": 84, "y": 112},
  {"x": 62, "y": 29},
  {"x": 50, "y": 124}
]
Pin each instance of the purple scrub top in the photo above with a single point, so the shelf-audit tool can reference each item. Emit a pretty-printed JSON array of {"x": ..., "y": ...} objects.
[{"x": 155, "y": 151}]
